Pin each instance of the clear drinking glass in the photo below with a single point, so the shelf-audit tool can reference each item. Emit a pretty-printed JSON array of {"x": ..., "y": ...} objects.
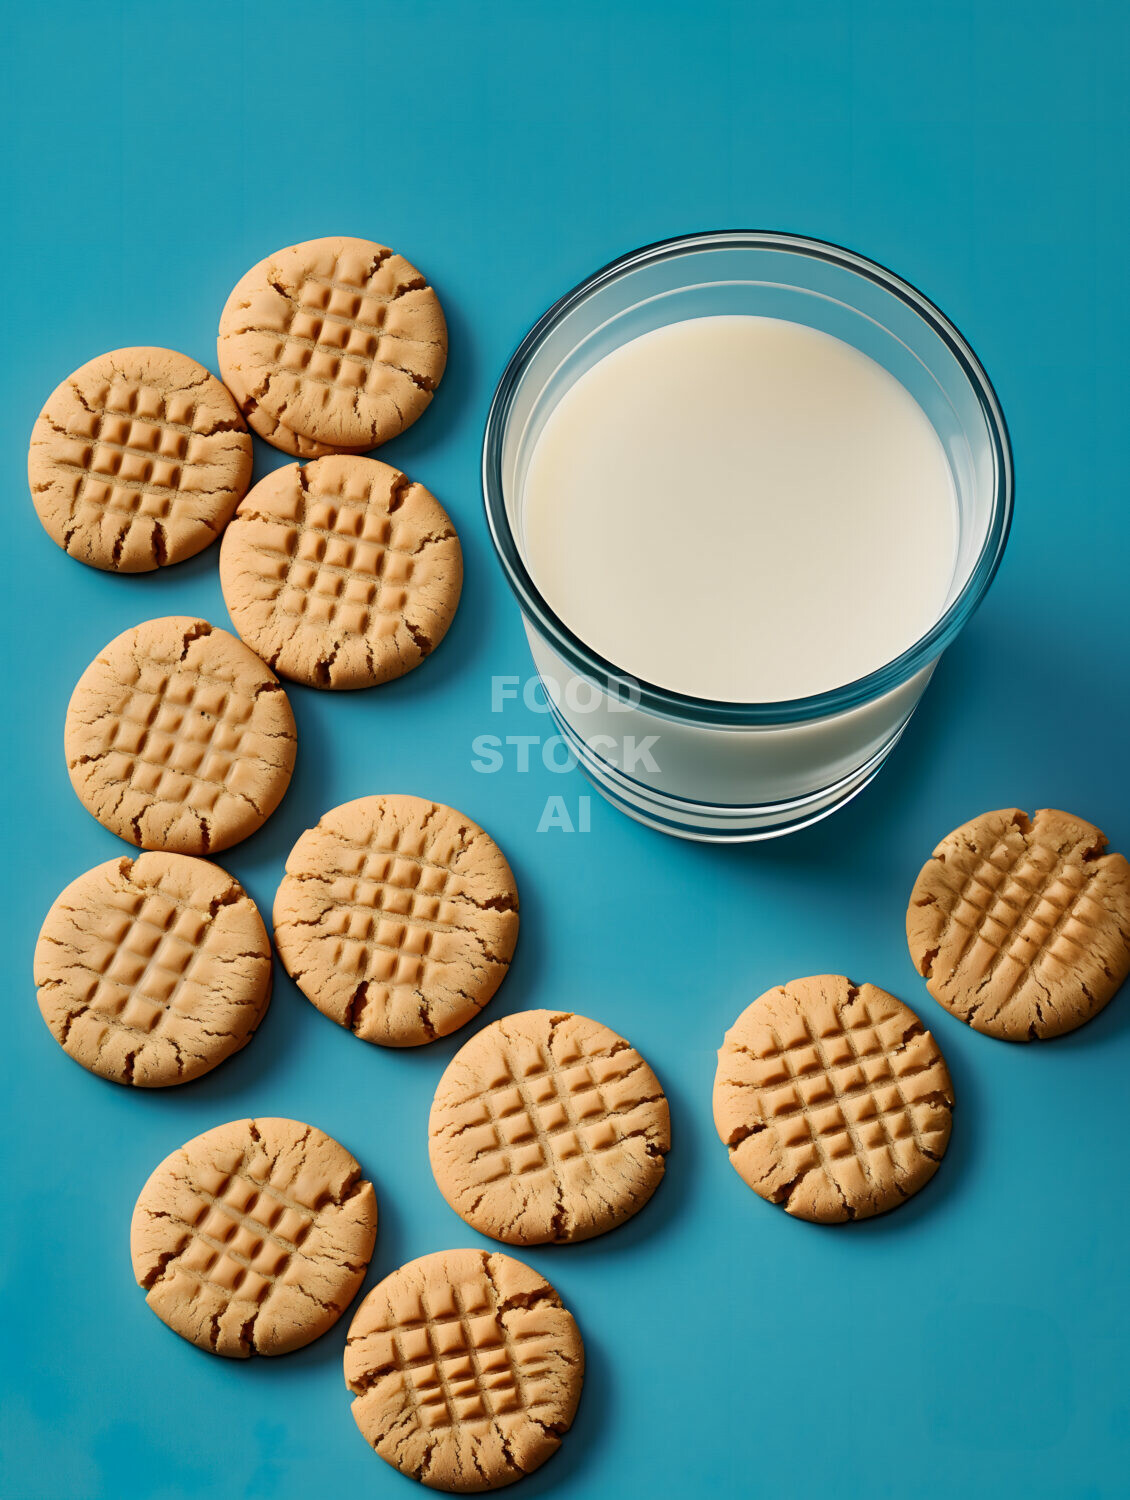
[{"x": 720, "y": 771}]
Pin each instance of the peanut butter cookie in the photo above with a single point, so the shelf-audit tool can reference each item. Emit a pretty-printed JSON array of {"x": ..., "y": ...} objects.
[
  {"x": 254, "y": 1237},
  {"x": 397, "y": 918},
  {"x": 138, "y": 460},
  {"x": 341, "y": 573},
  {"x": 833, "y": 1099},
  {"x": 150, "y": 971},
  {"x": 465, "y": 1370},
  {"x": 338, "y": 340},
  {"x": 179, "y": 738},
  {"x": 548, "y": 1127},
  {"x": 1021, "y": 926}
]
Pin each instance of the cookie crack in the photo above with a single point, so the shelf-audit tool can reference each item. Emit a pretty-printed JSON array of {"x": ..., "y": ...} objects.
[
  {"x": 323, "y": 666},
  {"x": 401, "y": 484},
  {"x": 422, "y": 642},
  {"x": 355, "y": 1007},
  {"x": 196, "y": 632},
  {"x": 425, "y": 1014}
]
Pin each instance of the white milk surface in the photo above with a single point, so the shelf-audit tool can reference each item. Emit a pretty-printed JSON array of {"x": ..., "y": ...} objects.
[{"x": 741, "y": 508}]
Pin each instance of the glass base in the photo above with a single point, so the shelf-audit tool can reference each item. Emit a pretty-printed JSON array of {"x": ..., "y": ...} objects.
[{"x": 706, "y": 823}]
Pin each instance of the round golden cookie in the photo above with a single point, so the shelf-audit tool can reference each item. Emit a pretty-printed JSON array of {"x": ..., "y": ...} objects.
[
  {"x": 254, "y": 1237},
  {"x": 397, "y": 918},
  {"x": 179, "y": 738},
  {"x": 341, "y": 573},
  {"x": 138, "y": 460},
  {"x": 150, "y": 971},
  {"x": 339, "y": 340},
  {"x": 548, "y": 1127},
  {"x": 278, "y": 434},
  {"x": 1021, "y": 927},
  {"x": 833, "y": 1099},
  {"x": 465, "y": 1369}
]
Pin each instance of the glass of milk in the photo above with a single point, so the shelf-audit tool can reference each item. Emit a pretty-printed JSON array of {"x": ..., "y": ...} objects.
[{"x": 746, "y": 487}]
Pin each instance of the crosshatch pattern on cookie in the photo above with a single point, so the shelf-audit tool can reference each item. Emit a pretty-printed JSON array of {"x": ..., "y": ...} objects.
[
  {"x": 466, "y": 1369},
  {"x": 334, "y": 330},
  {"x": 179, "y": 735},
  {"x": 158, "y": 945},
  {"x": 543, "y": 1114},
  {"x": 841, "y": 1093},
  {"x": 341, "y": 572},
  {"x": 1022, "y": 928},
  {"x": 126, "y": 448},
  {"x": 133, "y": 455},
  {"x": 244, "y": 1235},
  {"x": 387, "y": 909},
  {"x": 837, "y": 1080},
  {"x": 459, "y": 1362},
  {"x": 536, "y": 1113},
  {"x": 149, "y": 954},
  {"x": 344, "y": 345},
  {"x": 1024, "y": 905},
  {"x": 344, "y": 571},
  {"x": 394, "y": 908},
  {"x": 203, "y": 743}
]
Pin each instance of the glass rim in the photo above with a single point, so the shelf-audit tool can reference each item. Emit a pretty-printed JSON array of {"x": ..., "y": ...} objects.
[{"x": 666, "y": 702}]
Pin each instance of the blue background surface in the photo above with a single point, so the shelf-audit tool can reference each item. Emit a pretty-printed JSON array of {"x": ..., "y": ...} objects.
[{"x": 972, "y": 1343}]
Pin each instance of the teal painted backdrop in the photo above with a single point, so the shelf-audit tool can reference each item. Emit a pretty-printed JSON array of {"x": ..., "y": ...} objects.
[{"x": 973, "y": 1343}]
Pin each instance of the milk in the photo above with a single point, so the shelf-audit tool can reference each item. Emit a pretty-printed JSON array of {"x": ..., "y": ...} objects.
[{"x": 740, "y": 508}]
